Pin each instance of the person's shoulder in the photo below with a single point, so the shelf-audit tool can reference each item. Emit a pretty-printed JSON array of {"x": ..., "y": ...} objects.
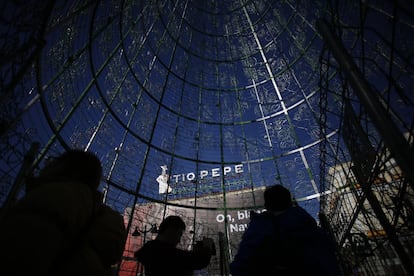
[
  {"x": 264, "y": 220},
  {"x": 263, "y": 215},
  {"x": 296, "y": 217},
  {"x": 56, "y": 197},
  {"x": 106, "y": 211},
  {"x": 154, "y": 249},
  {"x": 156, "y": 245},
  {"x": 297, "y": 211},
  {"x": 145, "y": 249},
  {"x": 152, "y": 243},
  {"x": 67, "y": 190}
]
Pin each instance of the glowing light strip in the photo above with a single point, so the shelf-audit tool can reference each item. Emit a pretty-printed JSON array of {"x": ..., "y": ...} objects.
[
  {"x": 269, "y": 70},
  {"x": 261, "y": 112},
  {"x": 317, "y": 195},
  {"x": 305, "y": 162},
  {"x": 297, "y": 149}
]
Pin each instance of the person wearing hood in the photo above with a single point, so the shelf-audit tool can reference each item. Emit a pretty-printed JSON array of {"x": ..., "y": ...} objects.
[
  {"x": 60, "y": 226},
  {"x": 284, "y": 240}
]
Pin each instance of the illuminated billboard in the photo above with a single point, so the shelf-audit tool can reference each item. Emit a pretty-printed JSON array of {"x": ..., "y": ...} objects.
[{"x": 204, "y": 216}]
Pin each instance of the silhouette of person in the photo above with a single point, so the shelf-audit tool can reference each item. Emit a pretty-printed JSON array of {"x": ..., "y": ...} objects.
[
  {"x": 284, "y": 240},
  {"x": 60, "y": 227},
  {"x": 161, "y": 257}
]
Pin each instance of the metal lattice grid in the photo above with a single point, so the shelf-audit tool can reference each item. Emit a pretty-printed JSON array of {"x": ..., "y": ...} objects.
[{"x": 195, "y": 106}]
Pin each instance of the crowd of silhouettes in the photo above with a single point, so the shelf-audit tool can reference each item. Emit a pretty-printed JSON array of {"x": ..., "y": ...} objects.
[{"x": 61, "y": 226}]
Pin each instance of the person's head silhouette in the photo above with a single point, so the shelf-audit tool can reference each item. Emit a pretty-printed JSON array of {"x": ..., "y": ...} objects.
[
  {"x": 171, "y": 229},
  {"x": 73, "y": 165},
  {"x": 277, "y": 198}
]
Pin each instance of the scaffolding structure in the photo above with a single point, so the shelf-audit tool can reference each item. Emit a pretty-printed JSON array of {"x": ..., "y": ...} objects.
[
  {"x": 369, "y": 167},
  {"x": 194, "y": 107}
]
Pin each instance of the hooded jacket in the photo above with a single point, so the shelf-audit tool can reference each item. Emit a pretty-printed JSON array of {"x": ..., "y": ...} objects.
[
  {"x": 284, "y": 243},
  {"x": 56, "y": 229}
]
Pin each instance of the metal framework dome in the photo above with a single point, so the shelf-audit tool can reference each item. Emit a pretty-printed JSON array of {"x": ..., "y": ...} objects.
[{"x": 194, "y": 107}]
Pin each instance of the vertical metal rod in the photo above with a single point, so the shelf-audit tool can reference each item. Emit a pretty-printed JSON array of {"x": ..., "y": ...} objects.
[
  {"x": 20, "y": 178},
  {"x": 393, "y": 139}
]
